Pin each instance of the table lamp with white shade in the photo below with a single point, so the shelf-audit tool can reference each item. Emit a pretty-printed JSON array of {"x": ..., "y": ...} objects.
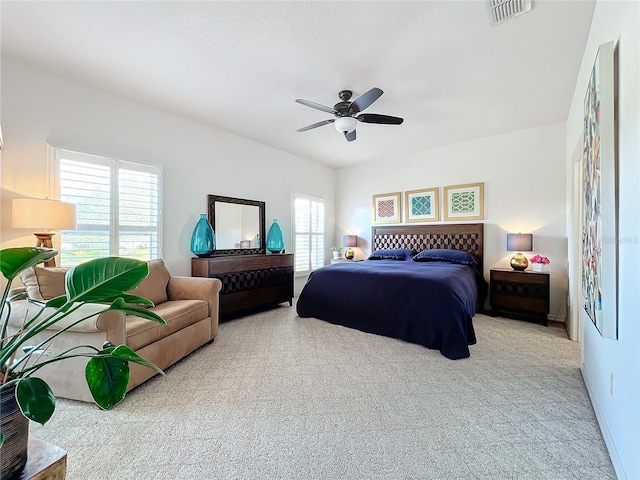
[{"x": 43, "y": 215}]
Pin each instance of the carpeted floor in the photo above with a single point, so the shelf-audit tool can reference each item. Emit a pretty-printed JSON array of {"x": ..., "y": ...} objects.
[{"x": 279, "y": 397}]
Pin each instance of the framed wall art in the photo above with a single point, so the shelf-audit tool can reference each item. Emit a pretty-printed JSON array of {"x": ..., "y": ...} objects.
[
  {"x": 599, "y": 217},
  {"x": 464, "y": 202},
  {"x": 421, "y": 205},
  {"x": 386, "y": 208}
]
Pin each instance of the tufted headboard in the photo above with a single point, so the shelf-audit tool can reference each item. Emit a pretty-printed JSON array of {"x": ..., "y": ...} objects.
[{"x": 456, "y": 236}]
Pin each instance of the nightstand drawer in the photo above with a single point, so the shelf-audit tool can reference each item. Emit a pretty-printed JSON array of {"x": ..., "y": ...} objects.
[{"x": 520, "y": 277}]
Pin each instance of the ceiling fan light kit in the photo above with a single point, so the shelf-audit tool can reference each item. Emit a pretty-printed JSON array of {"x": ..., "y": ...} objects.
[
  {"x": 345, "y": 124},
  {"x": 346, "y": 113}
]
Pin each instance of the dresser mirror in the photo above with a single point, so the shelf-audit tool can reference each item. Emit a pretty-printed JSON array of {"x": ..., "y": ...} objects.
[{"x": 238, "y": 225}]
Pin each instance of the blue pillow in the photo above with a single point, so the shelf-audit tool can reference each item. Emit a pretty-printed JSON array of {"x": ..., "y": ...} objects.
[
  {"x": 393, "y": 254},
  {"x": 447, "y": 255}
]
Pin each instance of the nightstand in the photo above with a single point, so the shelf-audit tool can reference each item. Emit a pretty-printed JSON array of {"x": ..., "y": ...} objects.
[
  {"x": 524, "y": 294},
  {"x": 340, "y": 260}
]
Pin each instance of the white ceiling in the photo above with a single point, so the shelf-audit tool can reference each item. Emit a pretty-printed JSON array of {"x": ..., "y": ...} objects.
[{"x": 239, "y": 66}]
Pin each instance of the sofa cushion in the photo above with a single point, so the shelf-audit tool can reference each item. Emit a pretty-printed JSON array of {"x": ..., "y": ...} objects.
[
  {"x": 44, "y": 283},
  {"x": 178, "y": 315},
  {"x": 154, "y": 286}
]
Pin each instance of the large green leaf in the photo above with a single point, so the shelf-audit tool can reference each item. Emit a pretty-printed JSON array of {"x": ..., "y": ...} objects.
[
  {"x": 137, "y": 300},
  {"x": 107, "y": 374},
  {"x": 121, "y": 305},
  {"x": 104, "y": 279},
  {"x": 36, "y": 400},
  {"x": 125, "y": 353},
  {"x": 107, "y": 378},
  {"x": 15, "y": 260}
]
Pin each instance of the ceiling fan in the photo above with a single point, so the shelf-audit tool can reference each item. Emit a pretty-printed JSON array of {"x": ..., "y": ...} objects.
[{"x": 348, "y": 113}]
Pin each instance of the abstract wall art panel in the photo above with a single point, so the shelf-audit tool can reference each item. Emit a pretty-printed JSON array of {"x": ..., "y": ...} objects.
[{"x": 599, "y": 178}]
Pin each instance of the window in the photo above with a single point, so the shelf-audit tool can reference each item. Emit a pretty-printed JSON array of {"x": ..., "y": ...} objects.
[
  {"x": 118, "y": 207},
  {"x": 308, "y": 224}
]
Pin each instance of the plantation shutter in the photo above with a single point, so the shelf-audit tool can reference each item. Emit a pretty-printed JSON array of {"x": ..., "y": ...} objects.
[
  {"x": 118, "y": 207},
  {"x": 309, "y": 233}
]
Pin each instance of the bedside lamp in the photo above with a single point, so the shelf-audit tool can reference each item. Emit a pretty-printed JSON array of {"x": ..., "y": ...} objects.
[
  {"x": 349, "y": 241},
  {"x": 519, "y": 242},
  {"x": 43, "y": 214}
]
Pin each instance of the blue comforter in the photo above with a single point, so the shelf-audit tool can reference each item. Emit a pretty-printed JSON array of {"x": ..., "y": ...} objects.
[{"x": 429, "y": 303}]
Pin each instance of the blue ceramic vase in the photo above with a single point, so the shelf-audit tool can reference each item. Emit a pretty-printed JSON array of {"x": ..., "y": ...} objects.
[
  {"x": 275, "y": 238},
  {"x": 203, "y": 240}
]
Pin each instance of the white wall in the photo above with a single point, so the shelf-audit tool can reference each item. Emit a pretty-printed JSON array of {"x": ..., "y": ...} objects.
[
  {"x": 618, "y": 412},
  {"x": 524, "y": 191},
  {"x": 39, "y": 107}
]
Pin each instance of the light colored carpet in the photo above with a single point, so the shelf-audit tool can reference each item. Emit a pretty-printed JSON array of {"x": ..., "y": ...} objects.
[{"x": 280, "y": 397}]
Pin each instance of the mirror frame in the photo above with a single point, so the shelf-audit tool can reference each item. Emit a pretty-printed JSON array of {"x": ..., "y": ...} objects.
[{"x": 213, "y": 199}]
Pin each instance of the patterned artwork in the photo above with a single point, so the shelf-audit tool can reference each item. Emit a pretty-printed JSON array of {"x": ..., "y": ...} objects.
[
  {"x": 421, "y": 205},
  {"x": 464, "y": 202},
  {"x": 386, "y": 208},
  {"x": 599, "y": 242}
]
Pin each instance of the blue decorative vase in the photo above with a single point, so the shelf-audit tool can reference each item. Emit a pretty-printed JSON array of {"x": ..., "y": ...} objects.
[
  {"x": 275, "y": 238},
  {"x": 203, "y": 240}
]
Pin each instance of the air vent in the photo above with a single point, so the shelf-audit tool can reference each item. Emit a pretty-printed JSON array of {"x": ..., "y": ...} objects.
[{"x": 502, "y": 10}]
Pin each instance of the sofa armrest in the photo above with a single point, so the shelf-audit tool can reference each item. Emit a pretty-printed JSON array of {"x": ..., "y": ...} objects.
[
  {"x": 197, "y": 288},
  {"x": 111, "y": 323}
]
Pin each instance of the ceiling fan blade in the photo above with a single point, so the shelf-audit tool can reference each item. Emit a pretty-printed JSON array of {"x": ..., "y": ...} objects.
[
  {"x": 350, "y": 136},
  {"x": 316, "y": 125},
  {"x": 317, "y": 106},
  {"x": 364, "y": 100},
  {"x": 376, "y": 118}
]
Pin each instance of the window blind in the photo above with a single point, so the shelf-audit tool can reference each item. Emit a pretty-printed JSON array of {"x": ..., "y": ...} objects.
[
  {"x": 309, "y": 233},
  {"x": 118, "y": 207}
]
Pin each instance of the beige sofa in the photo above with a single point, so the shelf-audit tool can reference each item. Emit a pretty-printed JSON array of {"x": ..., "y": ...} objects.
[{"x": 189, "y": 305}]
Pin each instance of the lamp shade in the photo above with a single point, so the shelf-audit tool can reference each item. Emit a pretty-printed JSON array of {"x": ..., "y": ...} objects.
[
  {"x": 519, "y": 242},
  {"x": 43, "y": 214},
  {"x": 349, "y": 240}
]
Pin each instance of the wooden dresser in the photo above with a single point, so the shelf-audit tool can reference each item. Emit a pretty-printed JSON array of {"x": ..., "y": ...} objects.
[{"x": 249, "y": 282}]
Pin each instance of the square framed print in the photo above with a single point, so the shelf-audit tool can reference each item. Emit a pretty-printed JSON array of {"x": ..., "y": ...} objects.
[
  {"x": 421, "y": 205},
  {"x": 386, "y": 208},
  {"x": 464, "y": 202}
]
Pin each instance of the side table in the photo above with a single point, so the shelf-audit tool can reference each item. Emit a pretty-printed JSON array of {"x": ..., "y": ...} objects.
[
  {"x": 340, "y": 260},
  {"x": 524, "y": 293},
  {"x": 45, "y": 461}
]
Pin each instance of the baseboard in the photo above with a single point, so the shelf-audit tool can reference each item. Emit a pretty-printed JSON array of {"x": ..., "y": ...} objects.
[{"x": 604, "y": 428}]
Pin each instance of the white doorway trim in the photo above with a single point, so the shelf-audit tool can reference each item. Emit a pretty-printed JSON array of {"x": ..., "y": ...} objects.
[{"x": 574, "y": 300}]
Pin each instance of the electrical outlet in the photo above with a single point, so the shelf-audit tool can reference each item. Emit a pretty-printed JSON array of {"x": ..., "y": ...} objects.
[{"x": 611, "y": 384}]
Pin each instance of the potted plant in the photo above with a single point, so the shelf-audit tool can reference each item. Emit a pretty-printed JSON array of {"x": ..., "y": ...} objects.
[
  {"x": 336, "y": 252},
  {"x": 103, "y": 280}
]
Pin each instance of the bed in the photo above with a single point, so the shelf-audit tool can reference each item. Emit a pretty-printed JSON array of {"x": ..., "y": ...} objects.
[{"x": 429, "y": 302}]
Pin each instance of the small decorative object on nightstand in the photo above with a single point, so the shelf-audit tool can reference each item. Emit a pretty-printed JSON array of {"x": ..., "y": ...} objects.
[
  {"x": 349, "y": 241},
  {"x": 519, "y": 242},
  {"x": 540, "y": 264},
  {"x": 523, "y": 293}
]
